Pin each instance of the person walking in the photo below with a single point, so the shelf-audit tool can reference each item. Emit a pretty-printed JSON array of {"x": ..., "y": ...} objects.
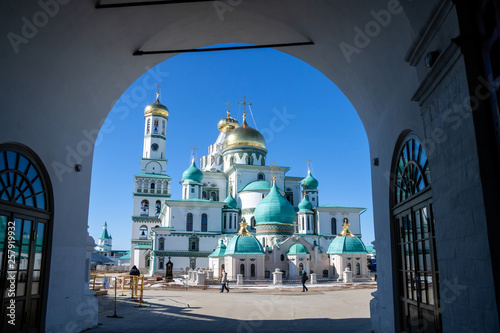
[
  {"x": 224, "y": 282},
  {"x": 304, "y": 279},
  {"x": 134, "y": 271}
]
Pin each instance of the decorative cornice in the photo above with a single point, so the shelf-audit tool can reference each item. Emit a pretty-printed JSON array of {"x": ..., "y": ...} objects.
[
  {"x": 146, "y": 219},
  {"x": 181, "y": 254}
]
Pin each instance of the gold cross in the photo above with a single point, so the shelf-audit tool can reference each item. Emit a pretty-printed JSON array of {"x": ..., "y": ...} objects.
[
  {"x": 157, "y": 91},
  {"x": 309, "y": 163},
  {"x": 194, "y": 149},
  {"x": 244, "y": 105},
  {"x": 295, "y": 224},
  {"x": 273, "y": 171}
]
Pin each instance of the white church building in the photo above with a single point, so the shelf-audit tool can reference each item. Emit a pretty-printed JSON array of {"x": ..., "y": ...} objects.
[{"x": 284, "y": 225}]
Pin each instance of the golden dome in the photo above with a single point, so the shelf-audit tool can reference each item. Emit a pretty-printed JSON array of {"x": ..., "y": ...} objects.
[
  {"x": 156, "y": 108},
  {"x": 227, "y": 124},
  {"x": 245, "y": 136}
]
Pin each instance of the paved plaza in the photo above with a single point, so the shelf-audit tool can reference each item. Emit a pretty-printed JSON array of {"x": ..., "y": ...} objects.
[{"x": 245, "y": 310}]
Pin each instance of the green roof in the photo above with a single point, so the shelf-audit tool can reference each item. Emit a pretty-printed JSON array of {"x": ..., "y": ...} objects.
[
  {"x": 125, "y": 257},
  {"x": 305, "y": 205},
  {"x": 244, "y": 245},
  {"x": 192, "y": 174},
  {"x": 152, "y": 175},
  {"x": 142, "y": 246},
  {"x": 346, "y": 244},
  {"x": 297, "y": 249},
  {"x": 231, "y": 202},
  {"x": 370, "y": 249},
  {"x": 309, "y": 183},
  {"x": 274, "y": 208},
  {"x": 219, "y": 251},
  {"x": 258, "y": 185},
  {"x": 104, "y": 234}
]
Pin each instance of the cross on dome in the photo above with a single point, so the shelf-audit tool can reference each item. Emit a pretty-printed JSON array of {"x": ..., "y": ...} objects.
[
  {"x": 194, "y": 149},
  {"x": 244, "y": 103}
]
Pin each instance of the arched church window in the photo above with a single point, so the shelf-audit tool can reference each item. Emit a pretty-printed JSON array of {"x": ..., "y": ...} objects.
[
  {"x": 155, "y": 126},
  {"x": 161, "y": 264},
  {"x": 213, "y": 196},
  {"x": 204, "y": 195},
  {"x": 157, "y": 208},
  {"x": 260, "y": 176},
  {"x": 189, "y": 222},
  {"x": 358, "y": 269},
  {"x": 289, "y": 198},
  {"x": 412, "y": 172},
  {"x": 148, "y": 127},
  {"x": 252, "y": 270},
  {"x": 192, "y": 189},
  {"x": 334, "y": 226},
  {"x": 230, "y": 221},
  {"x": 249, "y": 160},
  {"x": 282, "y": 257},
  {"x": 252, "y": 221},
  {"x": 193, "y": 245},
  {"x": 263, "y": 195},
  {"x": 152, "y": 186},
  {"x": 313, "y": 199},
  {"x": 308, "y": 223},
  {"x": 161, "y": 244},
  {"x": 225, "y": 221},
  {"x": 204, "y": 222},
  {"x": 144, "y": 208},
  {"x": 143, "y": 231},
  {"x": 163, "y": 127},
  {"x": 302, "y": 220},
  {"x": 242, "y": 269}
]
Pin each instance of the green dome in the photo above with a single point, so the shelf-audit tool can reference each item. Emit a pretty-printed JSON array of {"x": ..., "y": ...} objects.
[
  {"x": 231, "y": 202},
  {"x": 305, "y": 205},
  {"x": 258, "y": 185},
  {"x": 297, "y": 249},
  {"x": 219, "y": 251},
  {"x": 309, "y": 183},
  {"x": 346, "y": 244},
  {"x": 274, "y": 208},
  {"x": 192, "y": 174},
  {"x": 244, "y": 245}
]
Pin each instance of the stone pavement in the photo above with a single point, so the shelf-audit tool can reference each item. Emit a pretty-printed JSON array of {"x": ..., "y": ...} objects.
[{"x": 241, "y": 310}]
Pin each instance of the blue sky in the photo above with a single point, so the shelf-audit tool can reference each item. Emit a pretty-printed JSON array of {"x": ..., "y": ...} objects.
[{"x": 301, "y": 113}]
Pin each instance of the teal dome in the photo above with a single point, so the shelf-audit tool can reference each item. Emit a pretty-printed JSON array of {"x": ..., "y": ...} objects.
[
  {"x": 258, "y": 185},
  {"x": 219, "y": 251},
  {"x": 274, "y": 208},
  {"x": 297, "y": 249},
  {"x": 244, "y": 245},
  {"x": 192, "y": 174},
  {"x": 305, "y": 205},
  {"x": 231, "y": 202},
  {"x": 309, "y": 183},
  {"x": 346, "y": 244}
]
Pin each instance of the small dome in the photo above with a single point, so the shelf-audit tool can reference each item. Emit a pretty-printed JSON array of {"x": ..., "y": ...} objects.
[
  {"x": 192, "y": 174},
  {"x": 309, "y": 183},
  {"x": 219, "y": 251},
  {"x": 258, "y": 185},
  {"x": 305, "y": 205},
  {"x": 244, "y": 243},
  {"x": 245, "y": 135},
  {"x": 297, "y": 249},
  {"x": 274, "y": 208},
  {"x": 156, "y": 108},
  {"x": 227, "y": 124},
  {"x": 346, "y": 244},
  {"x": 231, "y": 202}
]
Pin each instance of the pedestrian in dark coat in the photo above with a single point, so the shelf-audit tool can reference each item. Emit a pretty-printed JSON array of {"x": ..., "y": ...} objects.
[
  {"x": 304, "y": 279},
  {"x": 134, "y": 271}
]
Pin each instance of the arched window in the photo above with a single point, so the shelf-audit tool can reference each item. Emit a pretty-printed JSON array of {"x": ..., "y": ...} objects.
[
  {"x": 349, "y": 266},
  {"x": 144, "y": 208},
  {"x": 334, "y": 226},
  {"x": 303, "y": 225},
  {"x": 204, "y": 222},
  {"x": 161, "y": 264},
  {"x": 308, "y": 223},
  {"x": 242, "y": 269},
  {"x": 155, "y": 126},
  {"x": 282, "y": 257},
  {"x": 213, "y": 196},
  {"x": 152, "y": 186},
  {"x": 204, "y": 195},
  {"x": 263, "y": 195},
  {"x": 192, "y": 189},
  {"x": 163, "y": 127},
  {"x": 252, "y": 222},
  {"x": 24, "y": 185},
  {"x": 143, "y": 232},
  {"x": 358, "y": 269},
  {"x": 148, "y": 127},
  {"x": 289, "y": 198},
  {"x": 231, "y": 160},
  {"x": 230, "y": 221},
  {"x": 193, "y": 245},
  {"x": 301, "y": 268},
  {"x": 252, "y": 270},
  {"x": 249, "y": 160},
  {"x": 189, "y": 222},
  {"x": 261, "y": 176},
  {"x": 225, "y": 221},
  {"x": 157, "y": 208},
  {"x": 161, "y": 244},
  {"x": 264, "y": 242}
]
